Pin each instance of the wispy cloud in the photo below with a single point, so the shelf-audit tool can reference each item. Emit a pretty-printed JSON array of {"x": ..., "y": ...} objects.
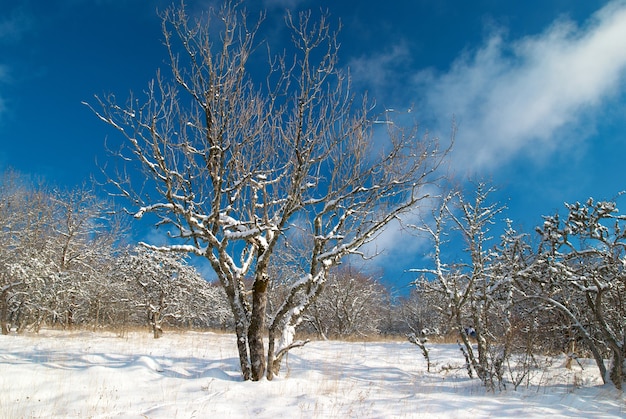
[
  {"x": 400, "y": 241},
  {"x": 380, "y": 72},
  {"x": 4, "y": 79},
  {"x": 4, "y": 73},
  {"x": 520, "y": 96},
  {"x": 526, "y": 96},
  {"x": 14, "y": 25}
]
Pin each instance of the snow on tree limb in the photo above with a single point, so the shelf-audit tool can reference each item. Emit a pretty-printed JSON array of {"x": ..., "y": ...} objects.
[{"x": 231, "y": 163}]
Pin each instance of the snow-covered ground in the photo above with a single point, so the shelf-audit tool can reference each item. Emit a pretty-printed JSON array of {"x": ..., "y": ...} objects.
[{"x": 185, "y": 375}]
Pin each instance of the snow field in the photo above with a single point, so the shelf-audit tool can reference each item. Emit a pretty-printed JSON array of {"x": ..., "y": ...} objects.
[{"x": 185, "y": 375}]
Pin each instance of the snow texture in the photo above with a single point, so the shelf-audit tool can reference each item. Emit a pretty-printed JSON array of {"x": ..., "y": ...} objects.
[{"x": 85, "y": 374}]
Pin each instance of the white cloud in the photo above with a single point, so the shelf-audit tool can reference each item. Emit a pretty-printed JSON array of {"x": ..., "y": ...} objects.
[
  {"x": 4, "y": 78},
  {"x": 508, "y": 97},
  {"x": 523, "y": 95},
  {"x": 14, "y": 25},
  {"x": 378, "y": 72},
  {"x": 400, "y": 241}
]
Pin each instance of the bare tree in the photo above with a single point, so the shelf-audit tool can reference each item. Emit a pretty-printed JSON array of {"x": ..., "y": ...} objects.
[
  {"x": 421, "y": 312},
  {"x": 233, "y": 167},
  {"x": 54, "y": 247},
  {"x": 350, "y": 305},
  {"x": 580, "y": 272},
  {"x": 26, "y": 262},
  {"x": 167, "y": 290},
  {"x": 476, "y": 298},
  {"x": 12, "y": 200},
  {"x": 85, "y": 231}
]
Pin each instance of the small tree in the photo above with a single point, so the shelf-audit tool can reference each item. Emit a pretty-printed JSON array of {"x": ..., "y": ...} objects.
[
  {"x": 475, "y": 298},
  {"x": 580, "y": 272},
  {"x": 421, "y": 312},
  {"x": 234, "y": 167}
]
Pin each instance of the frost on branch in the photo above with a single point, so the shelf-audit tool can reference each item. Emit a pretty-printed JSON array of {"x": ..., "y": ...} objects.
[
  {"x": 236, "y": 167},
  {"x": 580, "y": 271}
]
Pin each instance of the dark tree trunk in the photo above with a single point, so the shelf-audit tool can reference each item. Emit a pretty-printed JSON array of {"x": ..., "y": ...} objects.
[
  {"x": 273, "y": 365},
  {"x": 70, "y": 313},
  {"x": 4, "y": 314},
  {"x": 257, "y": 326},
  {"x": 617, "y": 369},
  {"x": 157, "y": 330}
]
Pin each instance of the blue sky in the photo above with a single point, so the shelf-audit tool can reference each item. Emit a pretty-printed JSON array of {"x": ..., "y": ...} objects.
[{"x": 538, "y": 88}]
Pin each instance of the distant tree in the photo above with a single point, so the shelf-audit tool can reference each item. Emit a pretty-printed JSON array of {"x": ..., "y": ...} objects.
[
  {"x": 27, "y": 275},
  {"x": 234, "y": 167},
  {"x": 392, "y": 323},
  {"x": 168, "y": 290},
  {"x": 12, "y": 198},
  {"x": 422, "y": 311},
  {"x": 85, "y": 232},
  {"x": 209, "y": 308},
  {"x": 54, "y": 248},
  {"x": 351, "y": 304}
]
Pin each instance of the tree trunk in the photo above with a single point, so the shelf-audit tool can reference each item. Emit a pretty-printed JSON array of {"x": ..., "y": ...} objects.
[
  {"x": 257, "y": 326},
  {"x": 97, "y": 324},
  {"x": 617, "y": 372},
  {"x": 157, "y": 330},
  {"x": 275, "y": 359},
  {"x": 155, "y": 323},
  {"x": 4, "y": 312},
  {"x": 272, "y": 366},
  {"x": 4, "y": 317},
  {"x": 597, "y": 355},
  {"x": 70, "y": 313},
  {"x": 241, "y": 325},
  {"x": 242, "y": 349}
]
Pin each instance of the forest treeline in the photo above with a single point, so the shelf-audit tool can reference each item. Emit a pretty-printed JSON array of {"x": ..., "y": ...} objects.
[{"x": 66, "y": 260}]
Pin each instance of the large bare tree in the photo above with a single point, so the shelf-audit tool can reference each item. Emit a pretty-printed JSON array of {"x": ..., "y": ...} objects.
[{"x": 234, "y": 165}]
